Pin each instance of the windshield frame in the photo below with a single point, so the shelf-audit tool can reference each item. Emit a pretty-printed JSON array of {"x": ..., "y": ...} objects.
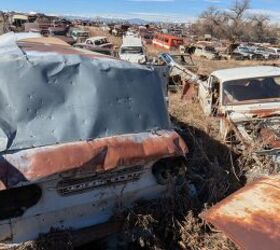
[
  {"x": 188, "y": 62},
  {"x": 246, "y": 102}
]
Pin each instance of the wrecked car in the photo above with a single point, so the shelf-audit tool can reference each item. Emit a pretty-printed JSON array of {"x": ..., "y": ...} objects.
[
  {"x": 81, "y": 136},
  {"x": 248, "y": 54},
  {"x": 208, "y": 52},
  {"x": 246, "y": 100},
  {"x": 178, "y": 64},
  {"x": 97, "y": 44},
  {"x": 79, "y": 35},
  {"x": 99, "y": 41}
]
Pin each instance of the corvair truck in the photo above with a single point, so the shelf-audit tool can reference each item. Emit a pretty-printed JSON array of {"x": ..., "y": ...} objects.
[{"x": 81, "y": 134}]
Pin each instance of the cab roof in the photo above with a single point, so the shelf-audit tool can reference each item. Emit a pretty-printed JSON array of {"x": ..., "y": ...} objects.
[{"x": 225, "y": 75}]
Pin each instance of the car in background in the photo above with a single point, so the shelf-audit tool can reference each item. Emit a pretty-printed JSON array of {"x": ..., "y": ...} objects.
[
  {"x": 132, "y": 50},
  {"x": 99, "y": 41},
  {"x": 208, "y": 52},
  {"x": 79, "y": 35},
  {"x": 248, "y": 53},
  {"x": 266, "y": 53},
  {"x": 178, "y": 64},
  {"x": 274, "y": 51}
]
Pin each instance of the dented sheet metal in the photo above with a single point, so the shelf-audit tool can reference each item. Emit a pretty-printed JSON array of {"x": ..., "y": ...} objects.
[
  {"x": 89, "y": 156},
  {"x": 56, "y": 94},
  {"x": 251, "y": 216}
]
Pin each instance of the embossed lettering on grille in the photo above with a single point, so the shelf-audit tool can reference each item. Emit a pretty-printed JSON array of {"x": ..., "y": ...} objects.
[{"x": 79, "y": 185}]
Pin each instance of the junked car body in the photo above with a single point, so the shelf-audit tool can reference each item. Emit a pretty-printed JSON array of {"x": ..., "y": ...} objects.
[
  {"x": 80, "y": 136},
  {"x": 79, "y": 35},
  {"x": 274, "y": 51},
  {"x": 248, "y": 53},
  {"x": 247, "y": 102},
  {"x": 208, "y": 52},
  {"x": 99, "y": 41},
  {"x": 98, "y": 44},
  {"x": 178, "y": 63},
  {"x": 267, "y": 54},
  {"x": 132, "y": 50}
]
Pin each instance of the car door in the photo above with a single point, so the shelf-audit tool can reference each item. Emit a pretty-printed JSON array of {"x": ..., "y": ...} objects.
[{"x": 205, "y": 95}]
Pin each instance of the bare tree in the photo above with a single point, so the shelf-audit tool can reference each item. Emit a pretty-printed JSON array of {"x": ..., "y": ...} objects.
[
  {"x": 236, "y": 16},
  {"x": 235, "y": 24},
  {"x": 260, "y": 25}
]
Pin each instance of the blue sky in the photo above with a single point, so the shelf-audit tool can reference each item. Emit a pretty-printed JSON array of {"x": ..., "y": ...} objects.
[{"x": 165, "y": 10}]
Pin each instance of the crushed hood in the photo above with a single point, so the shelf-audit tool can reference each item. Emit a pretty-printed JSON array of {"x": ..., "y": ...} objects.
[{"x": 52, "y": 93}]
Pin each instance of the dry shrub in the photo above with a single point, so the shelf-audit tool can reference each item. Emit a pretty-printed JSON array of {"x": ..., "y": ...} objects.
[{"x": 173, "y": 222}]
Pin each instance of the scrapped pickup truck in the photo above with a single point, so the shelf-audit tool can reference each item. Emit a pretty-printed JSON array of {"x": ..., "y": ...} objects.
[
  {"x": 247, "y": 101},
  {"x": 81, "y": 136}
]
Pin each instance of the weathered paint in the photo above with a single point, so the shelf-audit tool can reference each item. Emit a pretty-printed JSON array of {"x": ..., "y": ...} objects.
[
  {"x": 270, "y": 138},
  {"x": 262, "y": 113},
  {"x": 95, "y": 155},
  {"x": 251, "y": 216}
]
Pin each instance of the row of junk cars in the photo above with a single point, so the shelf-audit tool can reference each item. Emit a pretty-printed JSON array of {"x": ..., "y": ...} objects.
[{"x": 84, "y": 134}]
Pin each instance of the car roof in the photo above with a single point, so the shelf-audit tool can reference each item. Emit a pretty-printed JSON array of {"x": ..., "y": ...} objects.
[
  {"x": 132, "y": 41},
  {"x": 246, "y": 73}
]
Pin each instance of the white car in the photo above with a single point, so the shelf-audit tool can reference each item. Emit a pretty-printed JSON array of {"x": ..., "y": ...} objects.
[
  {"x": 132, "y": 50},
  {"x": 99, "y": 41}
]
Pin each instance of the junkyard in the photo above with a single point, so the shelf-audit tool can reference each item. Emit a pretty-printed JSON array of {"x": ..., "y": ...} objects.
[{"x": 121, "y": 133}]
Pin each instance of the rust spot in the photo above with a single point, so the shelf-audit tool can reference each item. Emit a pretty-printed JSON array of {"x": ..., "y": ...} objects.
[
  {"x": 265, "y": 112},
  {"x": 96, "y": 155},
  {"x": 41, "y": 46},
  {"x": 269, "y": 138},
  {"x": 189, "y": 91},
  {"x": 251, "y": 216}
]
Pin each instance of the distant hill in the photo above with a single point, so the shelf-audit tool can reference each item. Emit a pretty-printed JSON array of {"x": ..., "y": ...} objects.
[{"x": 102, "y": 19}]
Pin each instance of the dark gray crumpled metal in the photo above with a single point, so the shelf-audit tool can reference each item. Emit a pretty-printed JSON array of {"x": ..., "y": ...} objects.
[{"x": 48, "y": 98}]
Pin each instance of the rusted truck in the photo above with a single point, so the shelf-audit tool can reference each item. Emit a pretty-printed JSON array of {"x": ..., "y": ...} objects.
[
  {"x": 246, "y": 101},
  {"x": 81, "y": 136}
]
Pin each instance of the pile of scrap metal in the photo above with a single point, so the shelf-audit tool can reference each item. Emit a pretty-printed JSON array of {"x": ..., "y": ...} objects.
[{"x": 81, "y": 136}]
